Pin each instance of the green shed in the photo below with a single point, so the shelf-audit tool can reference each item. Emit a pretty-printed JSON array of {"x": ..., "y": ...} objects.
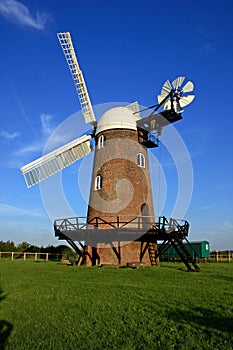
[{"x": 202, "y": 248}]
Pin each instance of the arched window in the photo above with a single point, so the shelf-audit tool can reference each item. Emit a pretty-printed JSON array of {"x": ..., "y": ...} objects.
[
  {"x": 141, "y": 160},
  {"x": 101, "y": 141},
  {"x": 98, "y": 182}
]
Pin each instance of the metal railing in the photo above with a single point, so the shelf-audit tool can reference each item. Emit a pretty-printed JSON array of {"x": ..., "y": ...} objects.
[
  {"x": 122, "y": 222},
  {"x": 96, "y": 222}
]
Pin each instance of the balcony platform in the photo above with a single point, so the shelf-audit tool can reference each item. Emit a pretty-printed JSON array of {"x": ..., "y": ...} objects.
[{"x": 109, "y": 230}]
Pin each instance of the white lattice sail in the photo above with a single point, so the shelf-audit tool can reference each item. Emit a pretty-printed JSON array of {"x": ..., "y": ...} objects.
[
  {"x": 79, "y": 82},
  {"x": 53, "y": 162}
]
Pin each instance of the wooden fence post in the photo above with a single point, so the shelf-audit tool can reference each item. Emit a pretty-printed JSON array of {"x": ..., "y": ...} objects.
[
  {"x": 12, "y": 256},
  {"x": 35, "y": 256},
  {"x": 47, "y": 256}
]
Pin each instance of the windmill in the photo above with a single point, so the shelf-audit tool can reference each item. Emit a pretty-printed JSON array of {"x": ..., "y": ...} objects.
[{"x": 120, "y": 193}]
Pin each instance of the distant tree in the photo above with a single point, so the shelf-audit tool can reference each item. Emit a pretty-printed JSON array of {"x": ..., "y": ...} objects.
[
  {"x": 33, "y": 249},
  {"x": 23, "y": 247},
  {"x": 65, "y": 251},
  {"x": 61, "y": 249},
  {"x": 7, "y": 246},
  {"x": 10, "y": 246},
  {"x": 48, "y": 249}
]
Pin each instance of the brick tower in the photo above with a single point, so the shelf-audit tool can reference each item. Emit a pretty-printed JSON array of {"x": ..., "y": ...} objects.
[{"x": 121, "y": 186}]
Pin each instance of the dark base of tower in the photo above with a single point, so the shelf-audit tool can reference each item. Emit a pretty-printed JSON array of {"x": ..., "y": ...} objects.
[
  {"x": 118, "y": 243},
  {"x": 123, "y": 254}
]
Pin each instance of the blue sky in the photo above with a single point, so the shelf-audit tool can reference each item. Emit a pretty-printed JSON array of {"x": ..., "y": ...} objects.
[{"x": 126, "y": 50}]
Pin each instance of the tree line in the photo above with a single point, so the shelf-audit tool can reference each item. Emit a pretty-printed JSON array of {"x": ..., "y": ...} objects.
[{"x": 25, "y": 247}]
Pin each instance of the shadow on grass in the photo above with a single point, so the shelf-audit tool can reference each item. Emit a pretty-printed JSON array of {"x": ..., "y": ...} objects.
[
  {"x": 226, "y": 278},
  {"x": 175, "y": 266},
  {"x": 5, "y": 327},
  {"x": 203, "y": 317}
]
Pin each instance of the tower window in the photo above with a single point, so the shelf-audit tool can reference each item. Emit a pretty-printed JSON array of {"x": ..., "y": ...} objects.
[
  {"x": 141, "y": 160},
  {"x": 98, "y": 182},
  {"x": 101, "y": 141}
]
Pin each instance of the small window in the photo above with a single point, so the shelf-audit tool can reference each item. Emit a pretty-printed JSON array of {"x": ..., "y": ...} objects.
[
  {"x": 101, "y": 141},
  {"x": 141, "y": 160},
  {"x": 98, "y": 182}
]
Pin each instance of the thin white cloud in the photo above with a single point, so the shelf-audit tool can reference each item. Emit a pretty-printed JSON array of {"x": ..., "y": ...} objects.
[
  {"x": 206, "y": 208},
  {"x": 10, "y": 210},
  {"x": 59, "y": 139},
  {"x": 43, "y": 143},
  {"x": 22, "y": 109},
  {"x": 223, "y": 187},
  {"x": 45, "y": 123},
  {"x": 9, "y": 135},
  {"x": 15, "y": 163},
  {"x": 228, "y": 224},
  {"x": 16, "y": 12},
  {"x": 38, "y": 145},
  {"x": 28, "y": 149},
  {"x": 209, "y": 48}
]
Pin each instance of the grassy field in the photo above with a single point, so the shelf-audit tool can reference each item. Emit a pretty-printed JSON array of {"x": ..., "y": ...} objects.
[{"x": 51, "y": 306}]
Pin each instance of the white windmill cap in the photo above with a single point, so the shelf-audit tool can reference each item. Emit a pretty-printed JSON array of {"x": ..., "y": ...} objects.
[{"x": 117, "y": 118}]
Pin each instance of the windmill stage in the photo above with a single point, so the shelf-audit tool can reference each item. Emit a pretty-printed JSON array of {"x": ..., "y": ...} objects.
[{"x": 120, "y": 226}]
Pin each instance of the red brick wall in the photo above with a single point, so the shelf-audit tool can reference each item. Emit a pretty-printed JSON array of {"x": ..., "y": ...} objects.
[
  {"x": 127, "y": 252},
  {"x": 125, "y": 189}
]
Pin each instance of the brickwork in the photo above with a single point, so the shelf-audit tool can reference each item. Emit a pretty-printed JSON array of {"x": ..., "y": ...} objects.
[
  {"x": 126, "y": 189},
  {"x": 117, "y": 255}
]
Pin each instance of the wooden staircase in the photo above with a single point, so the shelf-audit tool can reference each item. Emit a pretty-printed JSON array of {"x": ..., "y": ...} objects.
[
  {"x": 184, "y": 254},
  {"x": 174, "y": 234},
  {"x": 153, "y": 253}
]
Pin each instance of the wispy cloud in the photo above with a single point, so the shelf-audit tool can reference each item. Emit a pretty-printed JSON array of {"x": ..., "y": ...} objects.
[
  {"x": 59, "y": 139},
  {"x": 44, "y": 142},
  {"x": 22, "y": 109},
  {"x": 45, "y": 123},
  {"x": 228, "y": 224},
  {"x": 16, "y": 12},
  {"x": 209, "y": 48},
  {"x": 9, "y": 210},
  {"x": 37, "y": 146},
  {"x": 42, "y": 134},
  {"x": 9, "y": 135},
  {"x": 206, "y": 208},
  {"x": 223, "y": 187}
]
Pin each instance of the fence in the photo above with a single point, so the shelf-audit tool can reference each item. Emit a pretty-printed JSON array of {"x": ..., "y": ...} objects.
[
  {"x": 226, "y": 256},
  {"x": 34, "y": 256},
  {"x": 216, "y": 256}
]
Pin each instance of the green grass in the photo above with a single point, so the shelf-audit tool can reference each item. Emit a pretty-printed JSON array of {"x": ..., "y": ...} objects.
[{"x": 51, "y": 306}]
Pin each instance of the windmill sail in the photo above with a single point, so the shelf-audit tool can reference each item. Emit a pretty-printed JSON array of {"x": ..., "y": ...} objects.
[
  {"x": 68, "y": 50},
  {"x": 53, "y": 162}
]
